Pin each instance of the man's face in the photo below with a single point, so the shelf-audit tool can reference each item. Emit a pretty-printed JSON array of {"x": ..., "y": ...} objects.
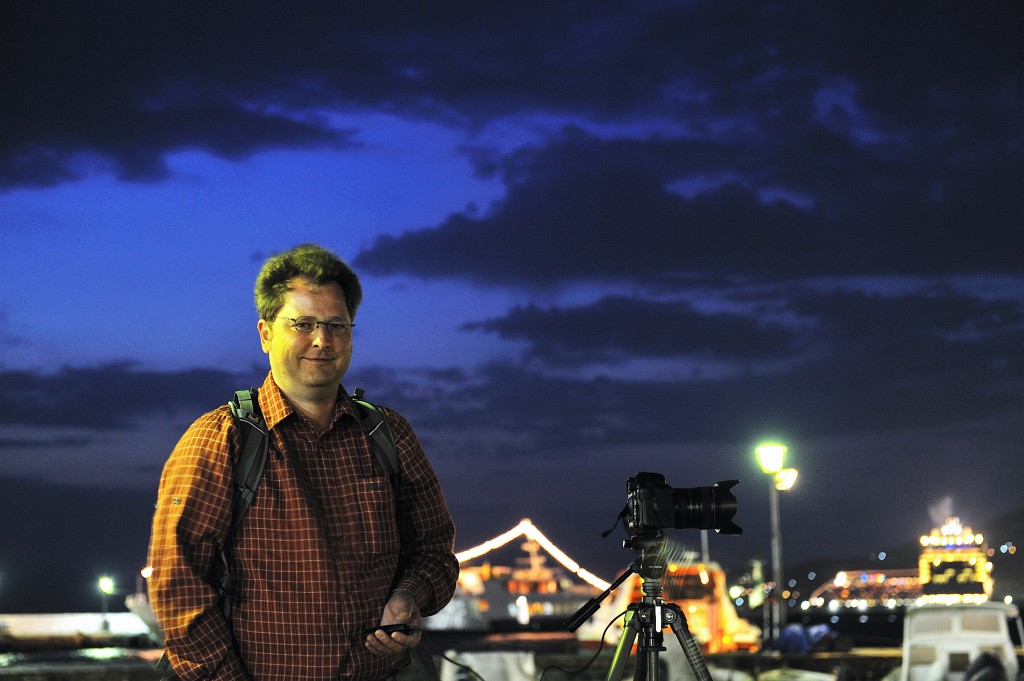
[{"x": 308, "y": 366}]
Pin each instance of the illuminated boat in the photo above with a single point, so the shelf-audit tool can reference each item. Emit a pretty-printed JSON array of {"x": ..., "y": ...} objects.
[
  {"x": 954, "y": 566},
  {"x": 530, "y": 595}
]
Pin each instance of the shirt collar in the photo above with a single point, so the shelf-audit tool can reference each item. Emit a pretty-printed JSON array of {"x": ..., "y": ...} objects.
[{"x": 276, "y": 407}]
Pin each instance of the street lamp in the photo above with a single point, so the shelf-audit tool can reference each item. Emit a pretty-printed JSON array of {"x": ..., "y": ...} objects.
[
  {"x": 771, "y": 456},
  {"x": 106, "y": 585}
]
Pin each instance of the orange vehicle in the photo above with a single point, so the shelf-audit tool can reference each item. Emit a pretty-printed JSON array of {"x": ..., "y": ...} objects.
[{"x": 700, "y": 591}]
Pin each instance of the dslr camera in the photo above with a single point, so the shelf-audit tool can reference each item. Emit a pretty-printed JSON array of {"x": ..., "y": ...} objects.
[{"x": 652, "y": 504}]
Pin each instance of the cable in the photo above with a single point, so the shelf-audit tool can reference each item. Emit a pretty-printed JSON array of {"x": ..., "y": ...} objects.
[
  {"x": 567, "y": 672},
  {"x": 440, "y": 652},
  {"x": 597, "y": 653}
]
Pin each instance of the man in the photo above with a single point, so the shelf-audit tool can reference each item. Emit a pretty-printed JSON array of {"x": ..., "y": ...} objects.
[{"x": 326, "y": 551}]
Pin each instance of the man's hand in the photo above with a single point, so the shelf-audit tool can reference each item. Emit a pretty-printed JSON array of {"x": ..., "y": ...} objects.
[{"x": 401, "y": 608}]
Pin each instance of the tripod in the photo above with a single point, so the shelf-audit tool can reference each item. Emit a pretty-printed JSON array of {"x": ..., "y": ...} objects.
[{"x": 646, "y": 618}]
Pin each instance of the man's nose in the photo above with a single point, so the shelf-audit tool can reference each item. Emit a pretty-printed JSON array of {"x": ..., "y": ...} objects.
[{"x": 321, "y": 336}]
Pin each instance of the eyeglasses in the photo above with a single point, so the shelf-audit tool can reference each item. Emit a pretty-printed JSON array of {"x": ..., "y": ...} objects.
[{"x": 308, "y": 325}]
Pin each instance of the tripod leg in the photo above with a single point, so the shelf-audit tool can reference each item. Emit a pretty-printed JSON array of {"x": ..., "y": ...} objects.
[
  {"x": 690, "y": 648},
  {"x": 652, "y": 669},
  {"x": 622, "y": 650}
]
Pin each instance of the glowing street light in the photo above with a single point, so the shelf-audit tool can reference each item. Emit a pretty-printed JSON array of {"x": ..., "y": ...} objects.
[
  {"x": 771, "y": 456},
  {"x": 106, "y": 586},
  {"x": 785, "y": 479}
]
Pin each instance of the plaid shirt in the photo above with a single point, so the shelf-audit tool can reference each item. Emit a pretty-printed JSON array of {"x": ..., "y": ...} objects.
[{"x": 314, "y": 560}]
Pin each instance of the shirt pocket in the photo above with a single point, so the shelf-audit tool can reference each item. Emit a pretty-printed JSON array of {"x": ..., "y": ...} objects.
[{"x": 377, "y": 507}]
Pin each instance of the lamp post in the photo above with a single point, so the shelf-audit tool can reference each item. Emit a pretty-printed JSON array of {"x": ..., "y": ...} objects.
[
  {"x": 771, "y": 456},
  {"x": 106, "y": 585}
]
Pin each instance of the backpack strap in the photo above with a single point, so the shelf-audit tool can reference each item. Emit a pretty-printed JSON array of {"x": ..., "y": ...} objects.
[
  {"x": 382, "y": 441},
  {"x": 252, "y": 457},
  {"x": 249, "y": 467}
]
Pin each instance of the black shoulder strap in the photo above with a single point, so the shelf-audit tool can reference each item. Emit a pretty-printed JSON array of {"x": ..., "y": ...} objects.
[
  {"x": 382, "y": 440},
  {"x": 252, "y": 456},
  {"x": 249, "y": 468}
]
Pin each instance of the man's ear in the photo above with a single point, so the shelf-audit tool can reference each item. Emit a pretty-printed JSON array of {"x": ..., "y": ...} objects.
[{"x": 265, "y": 333}]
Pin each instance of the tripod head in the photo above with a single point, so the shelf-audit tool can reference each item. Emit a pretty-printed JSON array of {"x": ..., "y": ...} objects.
[
  {"x": 649, "y": 562},
  {"x": 649, "y": 549}
]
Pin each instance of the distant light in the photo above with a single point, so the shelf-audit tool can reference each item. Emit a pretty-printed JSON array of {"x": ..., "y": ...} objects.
[
  {"x": 812, "y": 575},
  {"x": 101, "y": 654},
  {"x": 881, "y": 555},
  {"x": 106, "y": 585},
  {"x": 146, "y": 572},
  {"x": 522, "y": 610}
]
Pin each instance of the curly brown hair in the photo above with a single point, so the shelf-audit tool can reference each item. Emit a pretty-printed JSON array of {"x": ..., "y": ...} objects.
[{"x": 311, "y": 261}]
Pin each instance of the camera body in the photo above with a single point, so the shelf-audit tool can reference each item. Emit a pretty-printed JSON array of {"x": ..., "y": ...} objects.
[{"x": 652, "y": 504}]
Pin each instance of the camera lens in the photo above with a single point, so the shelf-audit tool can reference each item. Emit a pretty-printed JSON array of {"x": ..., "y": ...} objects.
[{"x": 706, "y": 508}]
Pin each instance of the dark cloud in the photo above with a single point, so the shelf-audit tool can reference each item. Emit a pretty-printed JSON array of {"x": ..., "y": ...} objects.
[
  {"x": 110, "y": 396},
  {"x": 122, "y": 84},
  {"x": 944, "y": 67},
  {"x": 841, "y": 363},
  {"x": 827, "y": 361},
  {"x": 42, "y": 442},
  {"x": 615, "y": 211},
  {"x": 126, "y": 82},
  {"x": 616, "y": 329}
]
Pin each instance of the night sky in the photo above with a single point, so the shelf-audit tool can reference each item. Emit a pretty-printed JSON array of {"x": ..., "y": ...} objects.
[{"x": 596, "y": 238}]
